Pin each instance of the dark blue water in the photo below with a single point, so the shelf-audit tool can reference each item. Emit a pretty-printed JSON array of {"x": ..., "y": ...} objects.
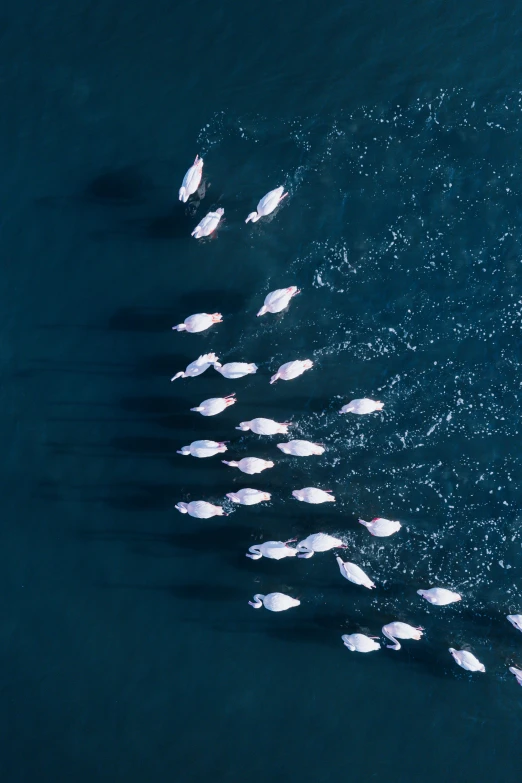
[{"x": 128, "y": 649}]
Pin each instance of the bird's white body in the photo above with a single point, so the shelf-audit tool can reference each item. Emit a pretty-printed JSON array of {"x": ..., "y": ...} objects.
[
  {"x": 214, "y": 405},
  {"x": 274, "y": 550},
  {"x": 313, "y": 495},
  {"x": 198, "y": 366},
  {"x": 198, "y": 322},
  {"x": 318, "y": 542},
  {"x": 381, "y": 527},
  {"x": 517, "y": 673},
  {"x": 398, "y": 630},
  {"x": 264, "y": 426},
  {"x": 235, "y": 370},
  {"x": 275, "y": 602},
  {"x": 515, "y": 620},
  {"x": 439, "y": 596},
  {"x": 300, "y": 448},
  {"x": 203, "y": 448},
  {"x": 362, "y": 406},
  {"x": 200, "y": 509},
  {"x": 359, "y": 642},
  {"x": 291, "y": 370},
  {"x": 277, "y": 300},
  {"x": 208, "y": 224},
  {"x": 267, "y": 204},
  {"x": 191, "y": 180},
  {"x": 467, "y": 660},
  {"x": 354, "y": 574},
  {"x": 250, "y": 465},
  {"x": 248, "y": 497}
]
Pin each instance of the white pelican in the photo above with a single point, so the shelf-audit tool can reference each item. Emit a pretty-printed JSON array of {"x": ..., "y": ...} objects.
[
  {"x": 208, "y": 224},
  {"x": 359, "y": 642},
  {"x": 314, "y": 495},
  {"x": 467, "y": 660},
  {"x": 301, "y": 448},
  {"x": 203, "y": 448},
  {"x": 362, "y": 406},
  {"x": 277, "y": 300},
  {"x": 354, "y": 574},
  {"x": 250, "y": 465},
  {"x": 248, "y": 496},
  {"x": 439, "y": 596},
  {"x": 198, "y": 366},
  {"x": 401, "y": 631},
  {"x": 191, "y": 180},
  {"x": 198, "y": 322},
  {"x": 291, "y": 370},
  {"x": 276, "y": 602},
  {"x": 274, "y": 550},
  {"x": 515, "y": 620},
  {"x": 267, "y": 204},
  {"x": 215, "y": 405},
  {"x": 318, "y": 542},
  {"x": 200, "y": 509},
  {"x": 264, "y": 426},
  {"x": 517, "y": 673},
  {"x": 381, "y": 527},
  {"x": 236, "y": 369}
]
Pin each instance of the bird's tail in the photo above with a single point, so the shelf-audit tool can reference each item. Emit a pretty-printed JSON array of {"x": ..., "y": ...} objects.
[
  {"x": 180, "y": 328},
  {"x": 263, "y": 310},
  {"x": 178, "y": 375}
]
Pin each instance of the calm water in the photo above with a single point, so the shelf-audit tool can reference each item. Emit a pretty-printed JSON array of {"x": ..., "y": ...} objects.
[{"x": 128, "y": 650}]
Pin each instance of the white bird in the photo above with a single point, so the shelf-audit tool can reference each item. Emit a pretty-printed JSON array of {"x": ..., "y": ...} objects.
[
  {"x": 291, "y": 370},
  {"x": 381, "y": 527},
  {"x": 208, "y": 224},
  {"x": 200, "y": 509},
  {"x": 274, "y": 550},
  {"x": 300, "y": 448},
  {"x": 354, "y": 574},
  {"x": 198, "y": 322},
  {"x": 236, "y": 369},
  {"x": 267, "y": 204},
  {"x": 439, "y": 596},
  {"x": 362, "y": 406},
  {"x": 277, "y": 300},
  {"x": 191, "y": 180},
  {"x": 248, "y": 496},
  {"x": 214, "y": 405},
  {"x": 203, "y": 448},
  {"x": 517, "y": 673},
  {"x": 359, "y": 642},
  {"x": 314, "y": 495},
  {"x": 198, "y": 366},
  {"x": 467, "y": 660},
  {"x": 318, "y": 542},
  {"x": 250, "y": 465},
  {"x": 276, "y": 602},
  {"x": 515, "y": 620},
  {"x": 401, "y": 631},
  {"x": 264, "y": 426}
]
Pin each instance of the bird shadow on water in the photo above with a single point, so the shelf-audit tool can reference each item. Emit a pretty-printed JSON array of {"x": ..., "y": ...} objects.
[
  {"x": 193, "y": 592},
  {"x": 140, "y": 319},
  {"x": 123, "y": 186}
]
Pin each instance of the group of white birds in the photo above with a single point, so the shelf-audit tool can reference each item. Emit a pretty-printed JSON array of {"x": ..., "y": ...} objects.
[
  {"x": 276, "y": 302},
  {"x": 208, "y": 224}
]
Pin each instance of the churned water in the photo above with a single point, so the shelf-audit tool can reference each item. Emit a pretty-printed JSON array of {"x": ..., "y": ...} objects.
[{"x": 128, "y": 649}]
